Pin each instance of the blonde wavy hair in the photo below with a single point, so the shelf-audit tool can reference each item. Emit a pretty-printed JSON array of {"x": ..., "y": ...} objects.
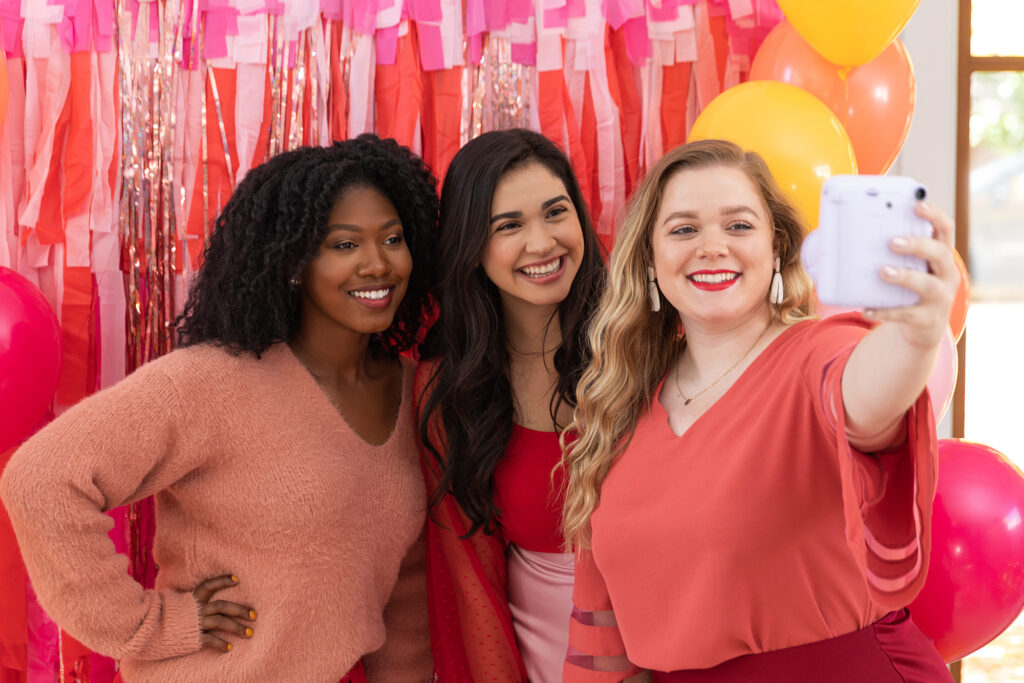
[{"x": 632, "y": 347}]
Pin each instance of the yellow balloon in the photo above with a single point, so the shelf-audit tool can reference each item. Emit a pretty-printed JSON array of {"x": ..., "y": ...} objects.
[
  {"x": 796, "y": 134},
  {"x": 849, "y": 32}
]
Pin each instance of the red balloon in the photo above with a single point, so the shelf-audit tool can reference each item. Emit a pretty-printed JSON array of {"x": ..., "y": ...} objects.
[
  {"x": 975, "y": 584},
  {"x": 30, "y": 357},
  {"x": 874, "y": 102}
]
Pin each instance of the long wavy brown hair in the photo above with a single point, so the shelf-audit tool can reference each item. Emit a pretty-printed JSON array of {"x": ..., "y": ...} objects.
[{"x": 632, "y": 347}]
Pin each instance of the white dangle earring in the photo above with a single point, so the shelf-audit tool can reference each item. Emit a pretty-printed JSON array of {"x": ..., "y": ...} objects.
[
  {"x": 777, "y": 292},
  {"x": 652, "y": 289}
]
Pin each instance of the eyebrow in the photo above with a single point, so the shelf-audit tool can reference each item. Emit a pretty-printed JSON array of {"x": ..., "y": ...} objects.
[
  {"x": 725, "y": 211},
  {"x": 519, "y": 214},
  {"x": 358, "y": 229}
]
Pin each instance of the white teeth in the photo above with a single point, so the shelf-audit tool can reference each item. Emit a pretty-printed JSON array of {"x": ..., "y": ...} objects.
[
  {"x": 713, "y": 279},
  {"x": 541, "y": 271},
  {"x": 372, "y": 294}
]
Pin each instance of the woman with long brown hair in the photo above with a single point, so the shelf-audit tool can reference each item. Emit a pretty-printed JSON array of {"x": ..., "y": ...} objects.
[{"x": 521, "y": 271}]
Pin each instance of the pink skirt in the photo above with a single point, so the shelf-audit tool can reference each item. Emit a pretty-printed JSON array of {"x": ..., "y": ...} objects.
[{"x": 892, "y": 650}]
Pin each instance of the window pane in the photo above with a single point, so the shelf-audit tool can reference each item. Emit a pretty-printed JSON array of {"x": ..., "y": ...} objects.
[
  {"x": 996, "y": 28},
  {"x": 996, "y": 186},
  {"x": 995, "y": 321}
]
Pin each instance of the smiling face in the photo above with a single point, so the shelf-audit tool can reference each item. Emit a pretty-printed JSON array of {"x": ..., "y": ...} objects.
[
  {"x": 712, "y": 246},
  {"x": 535, "y": 244},
  {"x": 361, "y": 270}
]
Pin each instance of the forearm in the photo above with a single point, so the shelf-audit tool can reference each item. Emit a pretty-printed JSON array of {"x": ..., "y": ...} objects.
[{"x": 883, "y": 378}]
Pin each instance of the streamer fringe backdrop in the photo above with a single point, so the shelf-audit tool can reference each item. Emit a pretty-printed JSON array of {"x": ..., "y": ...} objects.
[{"x": 129, "y": 124}]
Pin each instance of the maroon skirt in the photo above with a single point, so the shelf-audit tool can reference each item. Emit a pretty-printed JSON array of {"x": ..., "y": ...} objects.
[{"x": 892, "y": 650}]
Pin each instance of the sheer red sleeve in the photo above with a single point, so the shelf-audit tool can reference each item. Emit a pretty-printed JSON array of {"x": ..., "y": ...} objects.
[{"x": 471, "y": 633}]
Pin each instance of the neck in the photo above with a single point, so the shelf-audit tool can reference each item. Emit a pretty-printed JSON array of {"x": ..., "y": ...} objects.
[
  {"x": 531, "y": 330},
  {"x": 712, "y": 348},
  {"x": 337, "y": 356}
]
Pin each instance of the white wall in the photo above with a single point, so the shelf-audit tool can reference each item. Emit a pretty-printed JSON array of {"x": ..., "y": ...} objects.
[{"x": 929, "y": 153}]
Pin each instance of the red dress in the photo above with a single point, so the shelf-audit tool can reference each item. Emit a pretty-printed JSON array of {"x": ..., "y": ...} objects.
[{"x": 760, "y": 528}]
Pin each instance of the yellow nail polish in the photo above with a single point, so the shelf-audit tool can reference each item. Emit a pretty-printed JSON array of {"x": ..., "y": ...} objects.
[
  {"x": 252, "y": 614},
  {"x": 234, "y": 578},
  {"x": 229, "y": 647},
  {"x": 248, "y": 633}
]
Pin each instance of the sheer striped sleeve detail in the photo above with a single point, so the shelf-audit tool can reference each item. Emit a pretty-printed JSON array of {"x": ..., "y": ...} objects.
[
  {"x": 596, "y": 650},
  {"x": 887, "y": 496}
]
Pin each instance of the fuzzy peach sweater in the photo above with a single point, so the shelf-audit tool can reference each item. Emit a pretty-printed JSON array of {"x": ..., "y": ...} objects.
[{"x": 255, "y": 474}]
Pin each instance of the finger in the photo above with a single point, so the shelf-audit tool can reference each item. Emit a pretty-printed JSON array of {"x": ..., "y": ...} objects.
[
  {"x": 212, "y": 642},
  {"x": 939, "y": 256},
  {"x": 218, "y": 622},
  {"x": 941, "y": 223},
  {"x": 927, "y": 286},
  {"x": 231, "y": 609},
  {"x": 207, "y": 588}
]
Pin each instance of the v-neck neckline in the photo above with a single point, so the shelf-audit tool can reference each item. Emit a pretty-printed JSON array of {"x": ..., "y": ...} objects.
[
  {"x": 664, "y": 414},
  {"x": 326, "y": 402}
]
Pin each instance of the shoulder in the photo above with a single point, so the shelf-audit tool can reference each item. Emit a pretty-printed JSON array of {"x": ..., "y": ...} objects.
[{"x": 832, "y": 332}]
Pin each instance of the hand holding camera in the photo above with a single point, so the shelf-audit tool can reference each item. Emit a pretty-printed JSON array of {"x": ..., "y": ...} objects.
[{"x": 880, "y": 248}]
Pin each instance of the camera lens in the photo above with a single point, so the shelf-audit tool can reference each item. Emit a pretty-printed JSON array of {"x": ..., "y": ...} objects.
[{"x": 919, "y": 193}]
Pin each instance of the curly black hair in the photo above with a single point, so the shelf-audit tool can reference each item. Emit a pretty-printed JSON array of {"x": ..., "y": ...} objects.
[{"x": 243, "y": 298}]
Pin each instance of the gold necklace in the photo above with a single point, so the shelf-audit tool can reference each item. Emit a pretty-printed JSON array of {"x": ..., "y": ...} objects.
[{"x": 687, "y": 400}]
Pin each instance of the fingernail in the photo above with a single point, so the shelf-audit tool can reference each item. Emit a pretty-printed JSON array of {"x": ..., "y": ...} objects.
[
  {"x": 229, "y": 647},
  {"x": 899, "y": 241},
  {"x": 248, "y": 633},
  {"x": 252, "y": 614},
  {"x": 889, "y": 271},
  {"x": 234, "y": 578},
  {"x": 869, "y": 313}
]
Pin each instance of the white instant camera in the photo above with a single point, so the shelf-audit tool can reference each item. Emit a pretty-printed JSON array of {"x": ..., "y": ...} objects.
[{"x": 859, "y": 216}]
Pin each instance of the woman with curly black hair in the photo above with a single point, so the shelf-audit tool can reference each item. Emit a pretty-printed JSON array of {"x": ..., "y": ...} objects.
[
  {"x": 523, "y": 274},
  {"x": 279, "y": 445}
]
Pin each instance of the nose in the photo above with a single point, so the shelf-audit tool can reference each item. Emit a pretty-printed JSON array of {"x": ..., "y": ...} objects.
[
  {"x": 375, "y": 264},
  {"x": 713, "y": 244},
  {"x": 539, "y": 239}
]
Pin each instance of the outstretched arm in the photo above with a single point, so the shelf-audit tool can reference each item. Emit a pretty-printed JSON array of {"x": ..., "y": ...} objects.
[{"x": 890, "y": 366}]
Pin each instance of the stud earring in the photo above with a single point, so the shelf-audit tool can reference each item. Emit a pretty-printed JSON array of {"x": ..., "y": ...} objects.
[
  {"x": 652, "y": 289},
  {"x": 778, "y": 294},
  {"x": 295, "y": 281}
]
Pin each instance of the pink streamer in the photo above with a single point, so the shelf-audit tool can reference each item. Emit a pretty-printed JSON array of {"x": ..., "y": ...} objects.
[
  {"x": 638, "y": 47},
  {"x": 667, "y": 11},
  {"x": 524, "y": 53},
  {"x": 387, "y": 44},
  {"x": 520, "y": 11},
  {"x": 557, "y": 17},
  {"x": 476, "y": 19},
  {"x": 425, "y": 10},
  {"x": 431, "y": 47},
  {"x": 10, "y": 28}
]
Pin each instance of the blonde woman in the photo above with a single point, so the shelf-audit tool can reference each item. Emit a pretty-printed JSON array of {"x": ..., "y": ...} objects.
[{"x": 751, "y": 489}]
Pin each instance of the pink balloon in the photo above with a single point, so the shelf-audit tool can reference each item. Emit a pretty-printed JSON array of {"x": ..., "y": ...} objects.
[
  {"x": 975, "y": 584},
  {"x": 941, "y": 382},
  {"x": 30, "y": 357}
]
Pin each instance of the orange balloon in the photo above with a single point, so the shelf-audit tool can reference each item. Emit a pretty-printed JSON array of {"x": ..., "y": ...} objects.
[
  {"x": 958, "y": 315},
  {"x": 874, "y": 102},
  {"x": 799, "y": 138},
  {"x": 849, "y": 32}
]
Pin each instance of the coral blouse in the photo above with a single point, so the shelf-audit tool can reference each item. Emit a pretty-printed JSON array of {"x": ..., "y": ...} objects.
[{"x": 759, "y": 528}]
